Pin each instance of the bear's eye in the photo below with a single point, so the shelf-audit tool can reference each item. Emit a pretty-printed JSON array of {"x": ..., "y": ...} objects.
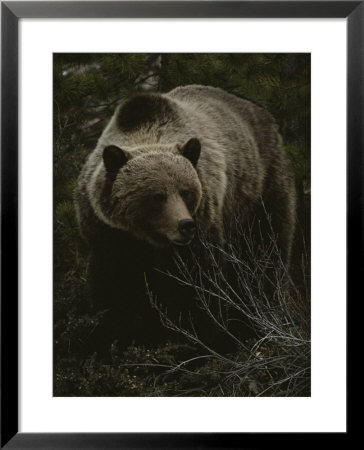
[
  {"x": 185, "y": 194},
  {"x": 159, "y": 197}
]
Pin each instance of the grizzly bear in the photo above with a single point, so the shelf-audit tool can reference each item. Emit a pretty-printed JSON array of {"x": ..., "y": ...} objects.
[{"x": 167, "y": 167}]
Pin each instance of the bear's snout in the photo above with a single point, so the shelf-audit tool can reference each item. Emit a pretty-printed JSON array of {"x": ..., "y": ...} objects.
[{"x": 187, "y": 228}]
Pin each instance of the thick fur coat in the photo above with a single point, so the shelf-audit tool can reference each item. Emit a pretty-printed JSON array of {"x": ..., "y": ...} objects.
[{"x": 197, "y": 156}]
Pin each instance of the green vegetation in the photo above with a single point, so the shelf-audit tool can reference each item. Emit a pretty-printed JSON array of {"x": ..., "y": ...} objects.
[{"x": 87, "y": 88}]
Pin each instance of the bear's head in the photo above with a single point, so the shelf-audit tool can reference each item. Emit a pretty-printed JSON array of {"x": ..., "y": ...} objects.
[{"x": 151, "y": 192}]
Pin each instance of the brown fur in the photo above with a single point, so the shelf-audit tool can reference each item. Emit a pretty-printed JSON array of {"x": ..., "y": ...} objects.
[
  {"x": 241, "y": 163},
  {"x": 194, "y": 153}
]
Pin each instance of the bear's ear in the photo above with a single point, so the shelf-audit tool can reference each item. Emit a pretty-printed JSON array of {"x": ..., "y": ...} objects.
[
  {"x": 114, "y": 158},
  {"x": 191, "y": 150}
]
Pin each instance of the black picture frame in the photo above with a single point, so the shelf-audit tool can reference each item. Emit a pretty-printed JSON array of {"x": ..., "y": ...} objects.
[{"x": 11, "y": 12}]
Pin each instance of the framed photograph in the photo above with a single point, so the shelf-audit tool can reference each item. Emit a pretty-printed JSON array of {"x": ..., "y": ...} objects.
[{"x": 181, "y": 221}]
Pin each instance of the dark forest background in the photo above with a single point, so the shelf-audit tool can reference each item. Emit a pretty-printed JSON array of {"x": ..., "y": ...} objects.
[{"x": 87, "y": 88}]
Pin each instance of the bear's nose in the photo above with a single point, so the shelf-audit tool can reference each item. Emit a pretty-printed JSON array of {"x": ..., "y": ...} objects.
[{"x": 187, "y": 228}]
